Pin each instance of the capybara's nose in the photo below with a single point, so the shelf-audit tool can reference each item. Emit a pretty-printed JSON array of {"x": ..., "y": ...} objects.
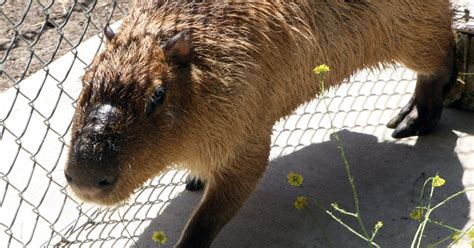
[{"x": 94, "y": 183}]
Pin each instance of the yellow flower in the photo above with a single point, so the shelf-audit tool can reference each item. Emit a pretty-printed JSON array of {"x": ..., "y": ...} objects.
[
  {"x": 456, "y": 237},
  {"x": 470, "y": 234},
  {"x": 159, "y": 237},
  {"x": 416, "y": 214},
  {"x": 378, "y": 225},
  {"x": 300, "y": 203},
  {"x": 438, "y": 181},
  {"x": 321, "y": 69},
  {"x": 295, "y": 179}
]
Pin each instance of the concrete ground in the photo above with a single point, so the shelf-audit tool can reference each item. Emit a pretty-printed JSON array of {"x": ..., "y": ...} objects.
[{"x": 388, "y": 173}]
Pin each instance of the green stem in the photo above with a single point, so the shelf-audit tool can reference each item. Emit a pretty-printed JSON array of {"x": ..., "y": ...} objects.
[
  {"x": 440, "y": 241},
  {"x": 451, "y": 197},
  {"x": 326, "y": 236},
  {"x": 351, "y": 181},
  {"x": 377, "y": 228},
  {"x": 423, "y": 190},
  {"x": 343, "y": 211},
  {"x": 350, "y": 229},
  {"x": 444, "y": 225},
  {"x": 422, "y": 226},
  {"x": 373, "y": 235},
  {"x": 347, "y": 167}
]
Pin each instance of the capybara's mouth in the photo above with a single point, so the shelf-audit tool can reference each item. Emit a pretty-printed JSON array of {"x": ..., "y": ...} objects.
[
  {"x": 93, "y": 197},
  {"x": 107, "y": 197}
]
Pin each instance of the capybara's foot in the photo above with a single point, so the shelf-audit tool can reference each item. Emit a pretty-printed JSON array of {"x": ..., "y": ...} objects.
[
  {"x": 194, "y": 184},
  {"x": 423, "y": 111},
  {"x": 414, "y": 119}
]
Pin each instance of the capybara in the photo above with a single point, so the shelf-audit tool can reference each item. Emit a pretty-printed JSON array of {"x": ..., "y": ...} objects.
[{"x": 199, "y": 84}]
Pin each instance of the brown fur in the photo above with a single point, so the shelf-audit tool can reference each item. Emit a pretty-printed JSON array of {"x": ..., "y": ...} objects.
[{"x": 251, "y": 64}]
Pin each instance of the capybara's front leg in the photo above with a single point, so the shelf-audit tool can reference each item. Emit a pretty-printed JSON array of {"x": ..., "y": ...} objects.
[
  {"x": 423, "y": 111},
  {"x": 193, "y": 183},
  {"x": 224, "y": 194}
]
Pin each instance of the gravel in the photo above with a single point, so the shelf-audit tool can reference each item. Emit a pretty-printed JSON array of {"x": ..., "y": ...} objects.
[{"x": 35, "y": 33}]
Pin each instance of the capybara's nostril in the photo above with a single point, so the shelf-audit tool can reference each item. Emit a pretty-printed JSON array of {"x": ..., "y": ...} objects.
[
  {"x": 106, "y": 182},
  {"x": 68, "y": 177}
]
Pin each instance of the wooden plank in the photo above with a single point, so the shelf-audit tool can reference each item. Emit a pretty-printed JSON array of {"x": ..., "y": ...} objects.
[
  {"x": 464, "y": 16},
  {"x": 461, "y": 95}
]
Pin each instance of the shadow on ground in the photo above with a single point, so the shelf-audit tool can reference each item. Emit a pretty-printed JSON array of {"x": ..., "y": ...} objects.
[{"x": 388, "y": 177}]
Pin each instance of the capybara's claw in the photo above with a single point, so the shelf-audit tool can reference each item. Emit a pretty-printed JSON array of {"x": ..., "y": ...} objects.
[
  {"x": 407, "y": 127},
  {"x": 414, "y": 120}
]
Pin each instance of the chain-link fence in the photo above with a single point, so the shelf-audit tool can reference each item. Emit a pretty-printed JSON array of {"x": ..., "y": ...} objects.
[{"x": 36, "y": 106}]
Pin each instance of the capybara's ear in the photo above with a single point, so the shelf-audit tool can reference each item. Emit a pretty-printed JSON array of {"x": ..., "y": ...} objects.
[
  {"x": 109, "y": 33},
  {"x": 178, "y": 49}
]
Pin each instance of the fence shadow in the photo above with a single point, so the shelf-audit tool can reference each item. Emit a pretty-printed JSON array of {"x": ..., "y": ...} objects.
[{"x": 388, "y": 177}]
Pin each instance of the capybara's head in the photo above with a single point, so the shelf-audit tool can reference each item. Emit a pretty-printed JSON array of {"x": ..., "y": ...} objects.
[{"x": 128, "y": 118}]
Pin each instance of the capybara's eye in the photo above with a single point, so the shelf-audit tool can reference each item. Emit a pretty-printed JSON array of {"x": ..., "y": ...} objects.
[{"x": 156, "y": 100}]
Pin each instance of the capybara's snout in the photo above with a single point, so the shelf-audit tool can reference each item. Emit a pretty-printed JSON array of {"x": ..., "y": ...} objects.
[
  {"x": 93, "y": 168},
  {"x": 96, "y": 141},
  {"x": 90, "y": 186}
]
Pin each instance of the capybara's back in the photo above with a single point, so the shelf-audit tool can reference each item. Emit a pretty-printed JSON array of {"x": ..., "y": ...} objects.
[{"x": 201, "y": 83}]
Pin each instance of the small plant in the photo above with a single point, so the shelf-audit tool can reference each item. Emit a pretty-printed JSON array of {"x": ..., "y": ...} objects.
[
  {"x": 295, "y": 179},
  {"x": 421, "y": 212},
  {"x": 159, "y": 237},
  {"x": 301, "y": 202},
  {"x": 322, "y": 71}
]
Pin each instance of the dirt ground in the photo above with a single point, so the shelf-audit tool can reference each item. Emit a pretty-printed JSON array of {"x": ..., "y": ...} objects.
[{"x": 35, "y": 33}]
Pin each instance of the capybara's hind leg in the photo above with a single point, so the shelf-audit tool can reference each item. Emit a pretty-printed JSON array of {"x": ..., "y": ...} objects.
[{"x": 423, "y": 111}]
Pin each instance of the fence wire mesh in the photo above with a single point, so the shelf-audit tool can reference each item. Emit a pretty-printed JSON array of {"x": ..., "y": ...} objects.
[{"x": 36, "y": 105}]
